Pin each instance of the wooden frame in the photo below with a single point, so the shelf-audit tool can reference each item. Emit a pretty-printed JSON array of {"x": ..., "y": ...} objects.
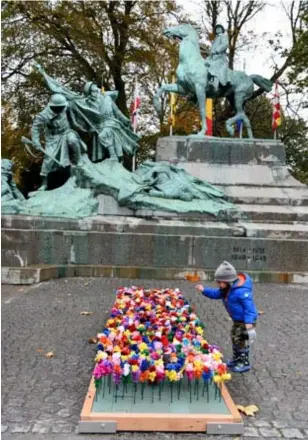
[{"x": 163, "y": 422}]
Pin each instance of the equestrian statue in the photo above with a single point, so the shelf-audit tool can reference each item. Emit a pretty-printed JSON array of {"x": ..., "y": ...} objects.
[{"x": 199, "y": 78}]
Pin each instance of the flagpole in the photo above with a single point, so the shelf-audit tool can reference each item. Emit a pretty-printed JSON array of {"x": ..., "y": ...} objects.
[
  {"x": 276, "y": 119},
  {"x": 135, "y": 121},
  {"x": 172, "y": 104}
]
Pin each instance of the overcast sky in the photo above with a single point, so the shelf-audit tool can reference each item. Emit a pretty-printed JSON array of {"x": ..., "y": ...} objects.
[{"x": 259, "y": 59}]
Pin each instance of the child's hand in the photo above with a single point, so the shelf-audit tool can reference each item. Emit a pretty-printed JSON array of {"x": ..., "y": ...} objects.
[{"x": 200, "y": 288}]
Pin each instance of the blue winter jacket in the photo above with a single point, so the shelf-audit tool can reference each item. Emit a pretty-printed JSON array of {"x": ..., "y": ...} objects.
[{"x": 238, "y": 301}]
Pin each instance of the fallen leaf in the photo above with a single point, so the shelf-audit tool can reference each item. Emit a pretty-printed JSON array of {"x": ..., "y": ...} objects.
[
  {"x": 249, "y": 410},
  {"x": 93, "y": 340},
  {"x": 261, "y": 312},
  {"x": 49, "y": 355},
  {"x": 39, "y": 350},
  {"x": 20, "y": 290},
  {"x": 192, "y": 277},
  {"x": 87, "y": 283},
  {"x": 85, "y": 313}
]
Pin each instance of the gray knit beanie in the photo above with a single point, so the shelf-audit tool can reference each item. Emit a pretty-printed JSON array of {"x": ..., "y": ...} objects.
[{"x": 225, "y": 272}]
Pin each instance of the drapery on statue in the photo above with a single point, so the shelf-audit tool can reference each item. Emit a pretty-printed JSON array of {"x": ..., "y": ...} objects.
[
  {"x": 194, "y": 77},
  {"x": 170, "y": 182},
  {"x": 63, "y": 145},
  {"x": 98, "y": 114}
]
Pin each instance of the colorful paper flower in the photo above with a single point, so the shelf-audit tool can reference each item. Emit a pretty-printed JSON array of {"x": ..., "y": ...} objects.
[{"x": 152, "y": 335}]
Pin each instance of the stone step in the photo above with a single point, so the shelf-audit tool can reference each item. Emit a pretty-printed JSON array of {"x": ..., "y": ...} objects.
[
  {"x": 266, "y": 195},
  {"x": 24, "y": 247},
  {"x": 243, "y": 174},
  {"x": 127, "y": 225},
  {"x": 275, "y": 213},
  {"x": 297, "y": 231}
]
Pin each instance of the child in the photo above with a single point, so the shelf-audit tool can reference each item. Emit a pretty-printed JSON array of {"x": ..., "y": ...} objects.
[{"x": 235, "y": 290}]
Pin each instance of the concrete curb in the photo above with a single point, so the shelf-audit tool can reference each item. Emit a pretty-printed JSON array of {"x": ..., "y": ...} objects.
[{"x": 38, "y": 274}]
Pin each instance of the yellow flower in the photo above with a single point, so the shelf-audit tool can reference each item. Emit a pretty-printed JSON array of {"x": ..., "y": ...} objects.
[
  {"x": 152, "y": 376},
  {"x": 217, "y": 356},
  {"x": 199, "y": 330},
  {"x": 143, "y": 346},
  {"x": 226, "y": 376},
  {"x": 135, "y": 368},
  {"x": 99, "y": 356},
  {"x": 172, "y": 376},
  {"x": 116, "y": 349},
  {"x": 198, "y": 365},
  {"x": 217, "y": 379},
  {"x": 124, "y": 358}
]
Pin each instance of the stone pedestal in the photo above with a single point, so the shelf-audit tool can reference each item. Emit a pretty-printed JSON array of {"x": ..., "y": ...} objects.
[
  {"x": 271, "y": 243},
  {"x": 252, "y": 173}
]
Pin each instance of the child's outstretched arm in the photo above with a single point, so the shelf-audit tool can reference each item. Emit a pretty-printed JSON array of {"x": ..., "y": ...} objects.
[{"x": 209, "y": 292}]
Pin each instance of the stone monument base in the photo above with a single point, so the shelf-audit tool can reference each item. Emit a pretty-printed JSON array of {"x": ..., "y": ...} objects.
[
  {"x": 269, "y": 239},
  {"x": 35, "y": 249}
]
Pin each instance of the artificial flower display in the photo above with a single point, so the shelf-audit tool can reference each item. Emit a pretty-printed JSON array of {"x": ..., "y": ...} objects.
[{"x": 154, "y": 336}]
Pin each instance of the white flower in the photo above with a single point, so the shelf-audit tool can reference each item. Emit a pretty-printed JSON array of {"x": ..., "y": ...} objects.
[{"x": 126, "y": 369}]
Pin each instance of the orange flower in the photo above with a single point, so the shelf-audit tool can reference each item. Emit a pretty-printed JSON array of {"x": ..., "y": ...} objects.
[
  {"x": 144, "y": 375},
  {"x": 198, "y": 374},
  {"x": 117, "y": 369}
]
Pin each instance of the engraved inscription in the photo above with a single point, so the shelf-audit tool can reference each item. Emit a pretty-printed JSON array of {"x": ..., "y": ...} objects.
[{"x": 240, "y": 253}]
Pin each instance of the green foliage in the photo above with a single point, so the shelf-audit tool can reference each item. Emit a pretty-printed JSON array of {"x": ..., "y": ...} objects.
[
  {"x": 294, "y": 134},
  {"x": 298, "y": 74},
  {"x": 112, "y": 41},
  {"x": 108, "y": 42}
]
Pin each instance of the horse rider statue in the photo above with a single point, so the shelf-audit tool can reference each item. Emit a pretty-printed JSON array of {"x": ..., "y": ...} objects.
[{"x": 217, "y": 61}]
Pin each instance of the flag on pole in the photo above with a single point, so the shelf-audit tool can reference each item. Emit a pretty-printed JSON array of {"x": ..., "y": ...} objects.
[
  {"x": 276, "y": 121},
  {"x": 172, "y": 107},
  {"x": 135, "y": 105},
  {"x": 103, "y": 88},
  {"x": 209, "y": 117},
  {"x": 239, "y": 127}
]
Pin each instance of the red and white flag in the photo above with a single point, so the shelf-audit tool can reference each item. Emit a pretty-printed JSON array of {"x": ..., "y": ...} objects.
[
  {"x": 276, "y": 120},
  {"x": 135, "y": 105}
]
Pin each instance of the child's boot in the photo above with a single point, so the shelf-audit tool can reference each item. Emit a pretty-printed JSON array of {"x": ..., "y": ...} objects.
[
  {"x": 242, "y": 362},
  {"x": 232, "y": 362}
]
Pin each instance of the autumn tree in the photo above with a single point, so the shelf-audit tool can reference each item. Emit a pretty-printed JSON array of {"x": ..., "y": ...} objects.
[{"x": 108, "y": 42}]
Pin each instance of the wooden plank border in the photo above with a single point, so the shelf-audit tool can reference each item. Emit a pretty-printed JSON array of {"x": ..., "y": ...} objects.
[{"x": 160, "y": 422}]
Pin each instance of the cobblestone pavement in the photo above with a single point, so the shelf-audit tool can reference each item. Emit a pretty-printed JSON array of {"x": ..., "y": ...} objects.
[{"x": 42, "y": 398}]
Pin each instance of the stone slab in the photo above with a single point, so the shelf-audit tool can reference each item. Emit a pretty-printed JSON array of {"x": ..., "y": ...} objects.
[
  {"x": 107, "y": 205},
  {"x": 241, "y": 174},
  {"x": 158, "y": 245},
  {"x": 220, "y": 150},
  {"x": 275, "y": 213},
  {"x": 38, "y": 274},
  {"x": 124, "y": 224},
  {"x": 267, "y": 195}
]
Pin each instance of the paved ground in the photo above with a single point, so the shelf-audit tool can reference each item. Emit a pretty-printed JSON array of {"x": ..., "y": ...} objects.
[{"x": 42, "y": 398}]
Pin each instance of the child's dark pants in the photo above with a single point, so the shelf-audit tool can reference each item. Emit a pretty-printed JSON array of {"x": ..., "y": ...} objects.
[{"x": 239, "y": 335}]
